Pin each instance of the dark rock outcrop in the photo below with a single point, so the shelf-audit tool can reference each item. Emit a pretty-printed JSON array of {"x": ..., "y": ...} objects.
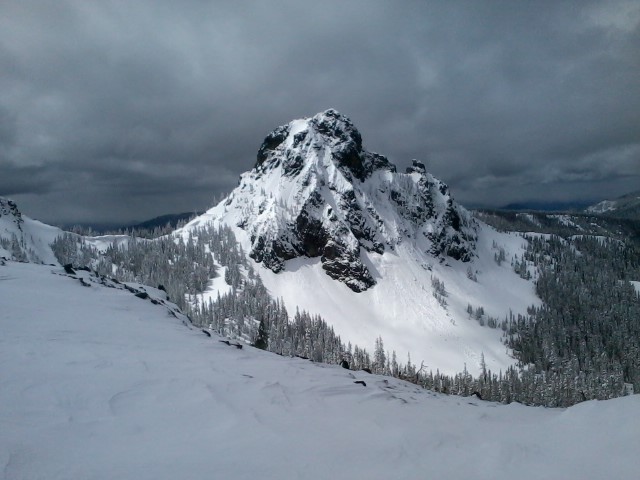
[{"x": 316, "y": 192}]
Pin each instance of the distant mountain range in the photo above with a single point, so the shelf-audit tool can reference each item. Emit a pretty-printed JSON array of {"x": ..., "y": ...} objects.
[
  {"x": 170, "y": 219},
  {"x": 574, "y": 206},
  {"x": 627, "y": 206}
]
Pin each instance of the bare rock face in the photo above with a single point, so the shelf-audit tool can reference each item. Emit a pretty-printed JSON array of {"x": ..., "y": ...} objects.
[
  {"x": 316, "y": 192},
  {"x": 8, "y": 208}
]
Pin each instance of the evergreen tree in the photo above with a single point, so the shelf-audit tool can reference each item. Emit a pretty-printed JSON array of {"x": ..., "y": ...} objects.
[{"x": 262, "y": 340}]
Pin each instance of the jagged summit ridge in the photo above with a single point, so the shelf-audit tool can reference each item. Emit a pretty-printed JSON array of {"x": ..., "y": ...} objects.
[
  {"x": 9, "y": 210},
  {"x": 289, "y": 146},
  {"x": 316, "y": 192},
  {"x": 22, "y": 238}
]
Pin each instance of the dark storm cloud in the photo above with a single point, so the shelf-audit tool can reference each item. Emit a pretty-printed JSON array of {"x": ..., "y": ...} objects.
[
  {"x": 118, "y": 111},
  {"x": 21, "y": 180}
]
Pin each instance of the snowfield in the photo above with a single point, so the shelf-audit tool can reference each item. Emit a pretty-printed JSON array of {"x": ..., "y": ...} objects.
[
  {"x": 401, "y": 307},
  {"x": 98, "y": 384}
]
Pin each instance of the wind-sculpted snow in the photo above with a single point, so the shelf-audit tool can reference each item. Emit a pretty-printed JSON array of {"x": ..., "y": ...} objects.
[
  {"x": 316, "y": 192},
  {"x": 98, "y": 383}
]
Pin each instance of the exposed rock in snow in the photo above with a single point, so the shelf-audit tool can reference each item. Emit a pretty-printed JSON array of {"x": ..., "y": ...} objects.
[
  {"x": 22, "y": 238},
  {"x": 316, "y": 192},
  {"x": 317, "y": 207},
  {"x": 9, "y": 209}
]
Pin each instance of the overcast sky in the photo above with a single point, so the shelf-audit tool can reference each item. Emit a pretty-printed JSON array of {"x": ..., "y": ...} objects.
[{"x": 121, "y": 111}]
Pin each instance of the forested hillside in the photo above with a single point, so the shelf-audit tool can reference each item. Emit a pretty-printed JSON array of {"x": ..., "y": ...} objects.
[
  {"x": 244, "y": 310},
  {"x": 583, "y": 343}
]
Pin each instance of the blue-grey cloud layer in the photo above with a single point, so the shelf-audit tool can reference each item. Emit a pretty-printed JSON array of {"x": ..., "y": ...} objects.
[{"x": 115, "y": 111}]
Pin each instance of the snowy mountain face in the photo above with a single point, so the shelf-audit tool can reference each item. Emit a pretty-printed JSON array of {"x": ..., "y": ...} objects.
[
  {"x": 315, "y": 192},
  {"x": 602, "y": 207},
  {"x": 24, "y": 239},
  {"x": 627, "y": 206},
  {"x": 337, "y": 231},
  {"x": 9, "y": 210}
]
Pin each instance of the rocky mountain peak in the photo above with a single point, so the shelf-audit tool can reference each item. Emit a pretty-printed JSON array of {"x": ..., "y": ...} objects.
[
  {"x": 288, "y": 146},
  {"x": 22, "y": 238},
  {"x": 8, "y": 208},
  {"x": 333, "y": 125},
  {"x": 316, "y": 192},
  {"x": 417, "y": 167}
]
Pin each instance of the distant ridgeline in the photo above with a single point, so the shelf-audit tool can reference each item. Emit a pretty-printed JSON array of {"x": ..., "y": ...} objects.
[
  {"x": 562, "y": 224},
  {"x": 152, "y": 228},
  {"x": 583, "y": 343}
]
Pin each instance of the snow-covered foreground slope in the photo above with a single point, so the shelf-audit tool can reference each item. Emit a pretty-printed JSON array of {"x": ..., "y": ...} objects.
[{"x": 96, "y": 383}]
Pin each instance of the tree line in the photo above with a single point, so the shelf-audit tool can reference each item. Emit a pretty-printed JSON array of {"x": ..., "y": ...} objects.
[{"x": 582, "y": 343}]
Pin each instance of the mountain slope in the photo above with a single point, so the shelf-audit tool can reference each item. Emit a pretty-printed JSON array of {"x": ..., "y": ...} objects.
[
  {"x": 97, "y": 383},
  {"x": 22, "y": 238},
  {"x": 627, "y": 206},
  {"x": 337, "y": 231},
  {"x": 315, "y": 192}
]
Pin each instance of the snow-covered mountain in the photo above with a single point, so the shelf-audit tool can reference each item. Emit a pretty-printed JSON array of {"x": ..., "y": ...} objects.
[
  {"x": 25, "y": 239},
  {"x": 338, "y": 231},
  {"x": 315, "y": 192},
  {"x": 627, "y": 206},
  {"x": 99, "y": 383},
  {"x": 335, "y": 230}
]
